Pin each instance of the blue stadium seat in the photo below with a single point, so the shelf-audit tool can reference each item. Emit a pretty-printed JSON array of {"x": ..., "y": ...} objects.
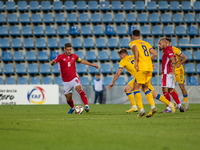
[
  {"x": 4, "y": 43},
  {"x": 166, "y": 18},
  {"x": 142, "y": 18},
  {"x": 196, "y": 6},
  {"x": 197, "y": 18},
  {"x": 150, "y": 41},
  {"x": 198, "y": 68},
  {"x": 139, "y": 6},
  {"x": 130, "y": 18},
  {"x": 104, "y": 5},
  {"x": 76, "y": 43},
  {"x": 26, "y": 31},
  {"x": 107, "y": 80},
  {"x": 98, "y": 30},
  {"x": 195, "y": 43},
  {"x": 1, "y": 8},
  {"x": 20, "y": 69},
  {"x": 163, "y": 5},
  {"x": 121, "y": 30},
  {"x": 168, "y": 30},
  {"x": 14, "y": 31},
  {"x": 16, "y": 43},
  {"x": 114, "y": 56},
  {"x": 8, "y": 69},
  {"x": 105, "y": 68},
  {"x": 36, "y": 18},
  {"x": 154, "y": 18},
  {"x": 69, "y": 6},
  {"x": 45, "y": 69},
  {"x": 62, "y": 31},
  {"x": 193, "y": 80},
  {"x": 10, "y": 80},
  {"x": 81, "y": 6},
  {"x": 4, "y": 31},
  {"x": 53, "y": 55},
  {"x": 184, "y": 43},
  {"x": 188, "y": 54},
  {"x": 30, "y": 56},
  {"x": 88, "y": 43},
  {"x": 174, "y": 42},
  {"x": 6, "y": 56},
  {"x": 109, "y": 30},
  {"x": 180, "y": 30},
  {"x": 81, "y": 68},
  {"x": 95, "y": 18},
  {"x": 156, "y": 42},
  {"x": 80, "y": 54},
  {"x": 18, "y": 56},
  {"x": 93, "y": 6},
  {"x": 192, "y": 30},
  {"x": 2, "y": 18},
  {"x": 119, "y": 18},
  {"x": 116, "y": 6},
  {"x": 107, "y": 18},
  {"x": 71, "y": 18},
  {"x": 60, "y": 18},
  {"x": 186, "y": 6},
  {"x": 46, "y": 80},
  {"x": 103, "y": 56},
  {"x": 190, "y": 68},
  {"x": 52, "y": 43},
  {"x": 57, "y": 6},
  {"x": 83, "y": 18},
  {"x": 58, "y": 80},
  {"x": 55, "y": 69},
  {"x": 112, "y": 43},
  {"x": 63, "y": 41},
  {"x": 84, "y": 81},
  {"x": 174, "y": 6},
  {"x": 42, "y": 56},
  {"x": 50, "y": 31},
  {"x": 86, "y": 30},
  {"x": 197, "y": 55},
  {"x": 28, "y": 43},
  {"x": 34, "y": 80},
  {"x": 73, "y": 30},
  {"x": 124, "y": 43},
  {"x": 128, "y": 6},
  {"x": 131, "y": 28},
  {"x": 178, "y": 18},
  {"x": 46, "y": 6},
  {"x": 189, "y": 18},
  {"x": 145, "y": 30},
  {"x": 91, "y": 56},
  {"x": 93, "y": 70},
  {"x": 151, "y": 6},
  {"x": 24, "y": 18},
  {"x": 40, "y": 43},
  {"x": 22, "y": 80},
  {"x": 154, "y": 81},
  {"x": 34, "y": 6},
  {"x": 12, "y": 18},
  {"x": 48, "y": 18},
  {"x": 120, "y": 81},
  {"x": 10, "y": 6},
  {"x": 1, "y": 74},
  {"x": 100, "y": 43}
]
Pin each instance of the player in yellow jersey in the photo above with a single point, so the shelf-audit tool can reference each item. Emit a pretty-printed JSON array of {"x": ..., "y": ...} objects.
[
  {"x": 127, "y": 62},
  {"x": 179, "y": 72}
]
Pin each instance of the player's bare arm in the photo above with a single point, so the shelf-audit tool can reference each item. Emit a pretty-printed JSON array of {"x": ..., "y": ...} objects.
[
  {"x": 173, "y": 64},
  {"x": 53, "y": 62},
  {"x": 116, "y": 76},
  {"x": 88, "y": 63},
  {"x": 136, "y": 53},
  {"x": 153, "y": 52},
  {"x": 182, "y": 61}
]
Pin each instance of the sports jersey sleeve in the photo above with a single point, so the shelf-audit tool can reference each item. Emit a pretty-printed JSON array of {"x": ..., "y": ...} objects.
[
  {"x": 177, "y": 51},
  {"x": 78, "y": 59},
  {"x": 170, "y": 52},
  {"x": 149, "y": 46},
  {"x": 57, "y": 58},
  {"x": 131, "y": 44},
  {"x": 121, "y": 65}
]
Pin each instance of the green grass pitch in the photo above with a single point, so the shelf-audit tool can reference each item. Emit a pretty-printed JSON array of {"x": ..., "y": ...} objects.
[{"x": 105, "y": 127}]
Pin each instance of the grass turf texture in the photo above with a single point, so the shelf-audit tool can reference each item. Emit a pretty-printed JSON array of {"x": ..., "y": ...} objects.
[{"x": 104, "y": 127}]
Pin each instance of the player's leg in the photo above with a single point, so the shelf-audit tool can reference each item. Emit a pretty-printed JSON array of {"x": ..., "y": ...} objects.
[
  {"x": 185, "y": 96},
  {"x": 176, "y": 99},
  {"x": 100, "y": 97},
  {"x": 95, "y": 97},
  {"x": 70, "y": 102}
]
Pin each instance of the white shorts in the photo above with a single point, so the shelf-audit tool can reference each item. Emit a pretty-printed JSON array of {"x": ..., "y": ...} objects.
[
  {"x": 70, "y": 86},
  {"x": 168, "y": 80}
]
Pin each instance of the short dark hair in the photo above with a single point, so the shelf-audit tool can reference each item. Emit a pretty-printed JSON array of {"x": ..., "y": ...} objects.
[
  {"x": 136, "y": 32},
  {"x": 168, "y": 39},
  {"x": 122, "y": 51},
  {"x": 97, "y": 74},
  {"x": 68, "y": 45}
]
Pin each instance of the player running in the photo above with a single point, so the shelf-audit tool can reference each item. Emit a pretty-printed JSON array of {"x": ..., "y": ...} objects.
[
  {"x": 179, "y": 72},
  {"x": 127, "y": 62},
  {"x": 168, "y": 74},
  {"x": 66, "y": 64}
]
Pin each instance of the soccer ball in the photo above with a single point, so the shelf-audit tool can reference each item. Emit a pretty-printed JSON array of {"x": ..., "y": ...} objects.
[{"x": 79, "y": 109}]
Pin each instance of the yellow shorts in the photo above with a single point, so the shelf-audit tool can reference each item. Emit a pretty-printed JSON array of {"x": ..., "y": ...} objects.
[
  {"x": 179, "y": 78},
  {"x": 131, "y": 83},
  {"x": 143, "y": 77}
]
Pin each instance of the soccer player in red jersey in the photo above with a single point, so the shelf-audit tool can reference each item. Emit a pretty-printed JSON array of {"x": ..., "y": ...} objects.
[
  {"x": 66, "y": 64},
  {"x": 168, "y": 74}
]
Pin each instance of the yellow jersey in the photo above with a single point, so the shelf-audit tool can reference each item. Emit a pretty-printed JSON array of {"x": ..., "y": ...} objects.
[
  {"x": 144, "y": 57},
  {"x": 178, "y": 52},
  {"x": 128, "y": 63}
]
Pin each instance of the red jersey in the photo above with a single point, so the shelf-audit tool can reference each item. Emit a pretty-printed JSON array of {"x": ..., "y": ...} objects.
[
  {"x": 166, "y": 62},
  {"x": 66, "y": 66}
]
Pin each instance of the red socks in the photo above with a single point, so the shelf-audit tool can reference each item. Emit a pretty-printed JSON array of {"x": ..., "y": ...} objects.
[
  {"x": 167, "y": 96},
  {"x": 83, "y": 97},
  {"x": 175, "y": 97},
  {"x": 71, "y": 103}
]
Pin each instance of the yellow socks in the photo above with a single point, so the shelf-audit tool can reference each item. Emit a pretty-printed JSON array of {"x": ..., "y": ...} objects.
[
  {"x": 138, "y": 98},
  {"x": 149, "y": 97},
  {"x": 163, "y": 99},
  {"x": 131, "y": 98},
  {"x": 185, "y": 97}
]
